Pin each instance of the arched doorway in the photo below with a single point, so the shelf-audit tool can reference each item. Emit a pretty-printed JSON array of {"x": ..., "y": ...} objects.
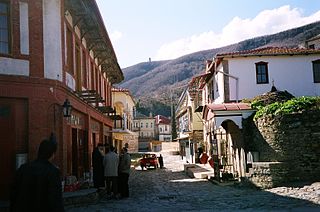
[{"x": 231, "y": 149}]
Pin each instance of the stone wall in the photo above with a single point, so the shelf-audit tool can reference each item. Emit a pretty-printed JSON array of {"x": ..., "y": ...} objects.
[
  {"x": 293, "y": 139},
  {"x": 268, "y": 174}
]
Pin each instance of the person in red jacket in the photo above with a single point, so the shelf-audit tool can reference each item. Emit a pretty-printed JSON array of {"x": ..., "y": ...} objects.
[{"x": 37, "y": 185}]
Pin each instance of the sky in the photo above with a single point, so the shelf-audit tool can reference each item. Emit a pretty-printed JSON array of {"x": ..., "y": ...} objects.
[{"x": 168, "y": 29}]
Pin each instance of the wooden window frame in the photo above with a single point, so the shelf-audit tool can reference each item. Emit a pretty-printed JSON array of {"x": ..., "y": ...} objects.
[
  {"x": 70, "y": 51},
  {"x": 258, "y": 79},
  {"x": 316, "y": 71},
  {"x": 9, "y": 38}
]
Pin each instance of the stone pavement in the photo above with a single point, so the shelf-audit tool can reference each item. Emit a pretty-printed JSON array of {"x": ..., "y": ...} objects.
[{"x": 171, "y": 189}]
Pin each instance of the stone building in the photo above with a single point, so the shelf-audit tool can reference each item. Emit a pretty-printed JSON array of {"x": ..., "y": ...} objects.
[{"x": 54, "y": 54}]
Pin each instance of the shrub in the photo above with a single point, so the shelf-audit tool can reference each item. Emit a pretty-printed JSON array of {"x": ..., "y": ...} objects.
[{"x": 291, "y": 106}]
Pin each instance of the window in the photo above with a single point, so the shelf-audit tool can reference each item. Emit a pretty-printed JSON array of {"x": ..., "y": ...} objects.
[
  {"x": 147, "y": 125},
  {"x": 4, "y": 28},
  {"x": 316, "y": 71},
  {"x": 141, "y": 125},
  {"x": 262, "y": 73},
  {"x": 84, "y": 69},
  {"x": 311, "y": 46},
  {"x": 70, "y": 51}
]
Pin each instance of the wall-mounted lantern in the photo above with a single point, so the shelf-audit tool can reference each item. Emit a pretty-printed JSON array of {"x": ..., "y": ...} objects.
[{"x": 67, "y": 108}]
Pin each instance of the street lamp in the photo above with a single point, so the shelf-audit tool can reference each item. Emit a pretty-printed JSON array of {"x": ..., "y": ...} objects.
[{"x": 67, "y": 108}]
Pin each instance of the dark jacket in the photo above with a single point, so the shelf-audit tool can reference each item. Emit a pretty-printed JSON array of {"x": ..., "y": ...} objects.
[
  {"x": 37, "y": 187},
  {"x": 98, "y": 169}
]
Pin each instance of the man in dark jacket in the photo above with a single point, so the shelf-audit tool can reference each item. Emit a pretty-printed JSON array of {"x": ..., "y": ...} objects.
[
  {"x": 37, "y": 185},
  {"x": 97, "y": 165}
]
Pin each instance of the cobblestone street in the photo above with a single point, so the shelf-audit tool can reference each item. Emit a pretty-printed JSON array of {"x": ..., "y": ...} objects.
[{"x": 171, "y": 189}]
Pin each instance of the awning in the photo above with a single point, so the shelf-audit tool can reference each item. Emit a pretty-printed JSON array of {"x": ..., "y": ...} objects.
[
  {"x": 229, "y": 106},
  {"x": 227, "y": 111}
]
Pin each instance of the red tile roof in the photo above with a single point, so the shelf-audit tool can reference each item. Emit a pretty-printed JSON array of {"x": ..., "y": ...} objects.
[
  {"x": 270, "y": 51},
  {"x": 229, "y": 106}
]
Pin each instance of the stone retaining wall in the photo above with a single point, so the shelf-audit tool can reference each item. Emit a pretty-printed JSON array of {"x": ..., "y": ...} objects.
[
  {"x": 292, "y": 139},
  {"x": 268, "y": 174}
]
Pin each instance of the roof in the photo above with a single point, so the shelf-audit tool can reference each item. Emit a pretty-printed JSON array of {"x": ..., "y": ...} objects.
[
  {"x": 229, "y": 106},
  {"x": 270, "y": 51},
  {"x": 87, "y": 16},
  {"x": 314, "y": 38},
  {"x": 162, "y": 120}
]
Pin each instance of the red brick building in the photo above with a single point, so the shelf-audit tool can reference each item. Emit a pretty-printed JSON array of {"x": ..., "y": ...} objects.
[{"x": 52, "y": 51}]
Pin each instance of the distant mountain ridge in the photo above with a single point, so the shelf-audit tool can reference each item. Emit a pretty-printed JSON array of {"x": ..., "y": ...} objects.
[{"x": 152, "y": 82}]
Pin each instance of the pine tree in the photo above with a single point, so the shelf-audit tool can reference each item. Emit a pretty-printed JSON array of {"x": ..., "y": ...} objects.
[{"x": 173, "y": 124}]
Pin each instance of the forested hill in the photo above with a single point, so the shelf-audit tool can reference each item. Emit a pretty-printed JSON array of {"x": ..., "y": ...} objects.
[{"x": 151, "y": 82}]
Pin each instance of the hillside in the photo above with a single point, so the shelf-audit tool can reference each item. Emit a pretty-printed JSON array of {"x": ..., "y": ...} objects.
[{"x": 152, "y": 82}]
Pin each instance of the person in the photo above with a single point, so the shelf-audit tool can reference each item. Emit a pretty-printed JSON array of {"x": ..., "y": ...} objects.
[
  {"x": 37, "y": 185},
  {"x": 161, "y": 161},
  {"x": 124, "y": 172},
  {"x": 97, "y": 166},
  {"x": 111, "y": 163}
]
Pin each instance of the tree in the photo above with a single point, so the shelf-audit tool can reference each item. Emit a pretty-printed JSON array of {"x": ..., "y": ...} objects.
[{"x": 173, "y": 124}]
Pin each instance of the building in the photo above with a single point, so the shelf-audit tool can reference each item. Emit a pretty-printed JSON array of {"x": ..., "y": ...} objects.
[
  {"x": 122, "y": 133},
  {"x": 313, "y": 43},
  {"x": 236, "y": 76},
  {"x": 145, "y": 127},
  {"x": 53, "y": 55},
  {"x": 163, "y": 128},
  {"x": 189, "y": 122}
]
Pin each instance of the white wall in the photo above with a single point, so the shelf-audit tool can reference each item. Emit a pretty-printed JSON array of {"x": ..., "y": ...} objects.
[
  {"x": 291, "y": 73},
  {"x": 11, "y": 66},
  {"x": 219, "y": 90},
  {"x": 52, "y": 39},
  {"x": 24, "y": 28}
]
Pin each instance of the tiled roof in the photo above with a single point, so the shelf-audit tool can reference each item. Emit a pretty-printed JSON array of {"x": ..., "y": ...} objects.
[
  {"x": 229, "y": 106},
  {"x": 162, "y": 120},
  {"x": 270, "y": 51}
]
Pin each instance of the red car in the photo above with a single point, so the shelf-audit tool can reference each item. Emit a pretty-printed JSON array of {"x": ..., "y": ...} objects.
[{"x": 149, "y": 160}]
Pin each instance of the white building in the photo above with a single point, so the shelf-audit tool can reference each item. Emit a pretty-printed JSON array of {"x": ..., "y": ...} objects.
[
  {"x": 235, "y": 76},
  {"x": 163, "y": 128},
  {"x": 145, "y": 127}
]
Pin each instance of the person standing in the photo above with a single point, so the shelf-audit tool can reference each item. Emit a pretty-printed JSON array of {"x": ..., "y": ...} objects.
[
  {"x": 111, "y": 163},
  {"x": 124, "y": 172},
  {"x": 161, "y": 161},
  {"x": 97, "y": 166},
  {"x": 37, "y": 185}
]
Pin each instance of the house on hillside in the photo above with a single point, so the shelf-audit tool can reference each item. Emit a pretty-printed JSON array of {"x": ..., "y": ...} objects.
[
  {"x": 189, "y": 121},
  {"x": 145, "y": 127},
  {"x": 54, "y": 56},
  {"x": 235, "y": 76},
  {"x": 122, "y": 132},
  {"x": 163, "y": 128},
  {"x": 313, "y": 43}
]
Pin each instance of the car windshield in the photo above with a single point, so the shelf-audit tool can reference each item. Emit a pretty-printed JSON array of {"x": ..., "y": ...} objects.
[{"x": 149, "y": 156}]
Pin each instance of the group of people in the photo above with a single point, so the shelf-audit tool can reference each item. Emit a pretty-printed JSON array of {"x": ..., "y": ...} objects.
[{"x": 111, "y": 171}]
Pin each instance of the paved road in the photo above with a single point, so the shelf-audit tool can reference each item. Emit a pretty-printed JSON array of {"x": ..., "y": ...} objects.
[{"x": 169, "y": 189}]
